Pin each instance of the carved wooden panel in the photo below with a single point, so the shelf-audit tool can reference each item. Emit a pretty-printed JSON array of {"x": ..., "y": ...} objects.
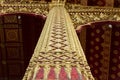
[
  {"x": 11, "y": 25},
  {"x": 17, "y": 40},
  {"x": 1, "y": 34},
  {"x": 14, "y": 69},
  {"x": 10, "y": 19},
  {"x": 14, "y": 53},
  {"x": 11, "y": 35},
  {"x": 11, "y": 48}
]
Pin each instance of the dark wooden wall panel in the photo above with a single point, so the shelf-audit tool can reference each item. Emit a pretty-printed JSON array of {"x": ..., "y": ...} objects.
[
  {"x": 14, "y": 52},
  {"x": 18, "y": 36}
]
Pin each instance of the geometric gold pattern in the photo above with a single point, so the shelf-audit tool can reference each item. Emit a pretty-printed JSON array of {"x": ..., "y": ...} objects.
[{"x": 58, "y": 47}]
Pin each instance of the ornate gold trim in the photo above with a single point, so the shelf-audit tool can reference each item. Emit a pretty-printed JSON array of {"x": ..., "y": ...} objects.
[{"x": 58, "y": 47}]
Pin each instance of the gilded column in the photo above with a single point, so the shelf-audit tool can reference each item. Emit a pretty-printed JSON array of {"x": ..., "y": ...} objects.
[{"x": 58, "y": 54}]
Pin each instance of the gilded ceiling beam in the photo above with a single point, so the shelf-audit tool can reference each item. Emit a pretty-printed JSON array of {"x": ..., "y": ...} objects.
[
  {"x": 40, "y": 8},
  {"x": 81, "y": 15}
]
